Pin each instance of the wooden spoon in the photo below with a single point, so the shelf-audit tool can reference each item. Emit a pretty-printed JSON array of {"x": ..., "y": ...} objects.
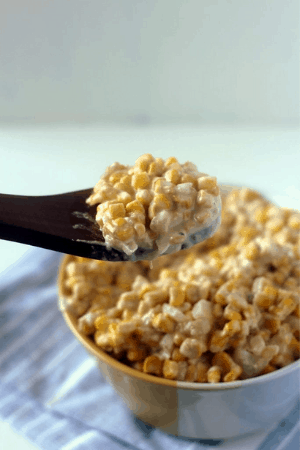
[{"x": 65, "y": 223}]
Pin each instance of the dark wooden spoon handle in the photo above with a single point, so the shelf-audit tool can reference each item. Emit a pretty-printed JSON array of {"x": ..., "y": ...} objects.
[{"x": 48, "y": 222}]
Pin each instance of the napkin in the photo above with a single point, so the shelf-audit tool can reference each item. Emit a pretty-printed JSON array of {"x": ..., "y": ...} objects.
[{"x": 51, "y": 390}]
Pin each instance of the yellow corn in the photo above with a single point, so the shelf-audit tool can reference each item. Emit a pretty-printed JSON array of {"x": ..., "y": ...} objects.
[
  {"x": 268, "y": 369},
  {"x": 251, "y": 251},
  {"x": 167, "y": 273},
  {"x": 223, "y": 360},
  {"x": 171, "y": 160},
  {"x": 275, "y": 225},
  {"x": 170, "y": 369},
  {"x": 163, "y": 323},
  {"x": 218, "y": 342},
  {"x": 294, "y": 222},
  {"x": 173, "y": 176},
  {"x": 146, "y": 288},
  {"x": 176, "y": 296},
  {"x": 261, "y": 215},
  {"x": 143, "y": 161},
  {"x": 214, "y": 374},
  {"x": 120, "y": 222},
  {"x": 126, "y": 180},
  {"x": 232, "y": 315},
  {"x": 187, "y": 178},
  {"x": 112, "y": 328},
  {"x": 140, "y": 229},
  {"x": 144, "y": 197},
  {"x": 124, "y": 197},
  {"x": 136, "y": 354},
  {"x": 127, "y": 314},
  {"x": 233, "y": 374},
  {"x": 135, "y": 206},
  {"x": 162, "y": 201},
  {"x": 101, "y": 323},
  {"x": 271, "y": 292},
  {"x": 140, "y": 180},
  {"x": 116, "y": 210},
  {"x": 177, "y": 356},
  {"x": 272, "y": 325},
  {"x": 125, "y": 233},
  {"x": 156, "y": 167},
  {"x": 178, "y": 339},
  {"x": 153, "y": 365},
  {"x": 116, "y": 177},
  {"x": 248, "y": 232},
  {"x": 191, "y": 373},
  {"x": 201, "y": 372},
  {"x": 207, "y": 183},
  {"x": 294, "y": 345}
]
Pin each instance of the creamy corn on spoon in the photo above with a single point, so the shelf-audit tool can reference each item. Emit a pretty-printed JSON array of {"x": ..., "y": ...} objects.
[{"x": 155, "y": 207}]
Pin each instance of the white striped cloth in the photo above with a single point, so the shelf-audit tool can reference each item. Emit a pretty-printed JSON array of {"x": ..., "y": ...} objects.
[{"x": 52, "y": 392}]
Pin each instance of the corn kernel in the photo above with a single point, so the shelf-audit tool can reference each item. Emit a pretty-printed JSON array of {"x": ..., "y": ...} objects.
[
  {"x": 272, "y": 324},
  {"x": 294, "y": 222},
  {"x": 112, "y": 328},
  {"x": 171, "y": 160},
  {"x": 233, "y": 374},
  {"x": 168, "y": 273},
  {"x": 251, "y": 251},
  {"x": 126, "y": 180},
  {"x": 233, "y": 315},
  {"x": 116, "y": 177},
  {"x": 163, "y": 323},
  {"x": 201, "y": 372},
  {"x": 120, "y": 222},
  {"x": 261, "y": 215},
  {"x": 158, "y": 185},
  {"x": 101, "y": 323},
  {"x": 170, "y": 369},
  {"x": 144, "y": 196},
  {"x": 143, "y": 161},
  {"x": 223, "y": 360},
  {"x": 268, "y": 369},
  {"x": 116, "y": 210},
  {"x": 177, "y": 296},
  {"x": 124, "y": 197},
  {"x": 191, "y": 373},
  {"x": 214, "y": 374},
  {"x": 136, "y": 354},
  {"x": 140, "y": 229},
  {"x": 124, "y": 234},
  {"x": 173, "y": 176},
  {"x": 162, "y": 201},
  {"x": 177, "y": 356},
  {"x": 153, "y": 365},
  {"x": 232, "y": 327},
  {"x": 248, "y": 232},
  {"x": 140, "y": 180},
  {"x": 187, "y": 178},
  {"x": 275, "y": 225},
  {"x": 135, "y": 206},
  {"x": 207, "y": 183}
]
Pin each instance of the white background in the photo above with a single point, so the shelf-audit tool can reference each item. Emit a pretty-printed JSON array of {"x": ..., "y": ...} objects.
[{"x": 150, "y": 60}]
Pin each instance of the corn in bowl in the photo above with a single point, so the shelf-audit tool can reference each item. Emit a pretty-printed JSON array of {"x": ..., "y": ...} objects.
[{"x": 227, "y": 309}]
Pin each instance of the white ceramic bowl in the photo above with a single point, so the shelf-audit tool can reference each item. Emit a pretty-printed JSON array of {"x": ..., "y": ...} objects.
[{"x": 197, "y": 410}]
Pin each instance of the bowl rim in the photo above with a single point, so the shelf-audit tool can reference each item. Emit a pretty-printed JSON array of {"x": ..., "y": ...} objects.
[{"x": 86, "y": 341}]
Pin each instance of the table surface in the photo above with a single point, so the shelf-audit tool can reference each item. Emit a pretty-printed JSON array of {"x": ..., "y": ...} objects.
[{"x": 41, "y": 160}]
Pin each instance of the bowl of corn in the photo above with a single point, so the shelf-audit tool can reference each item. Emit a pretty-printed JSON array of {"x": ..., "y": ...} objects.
[{"x": 203, "y": 343}]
